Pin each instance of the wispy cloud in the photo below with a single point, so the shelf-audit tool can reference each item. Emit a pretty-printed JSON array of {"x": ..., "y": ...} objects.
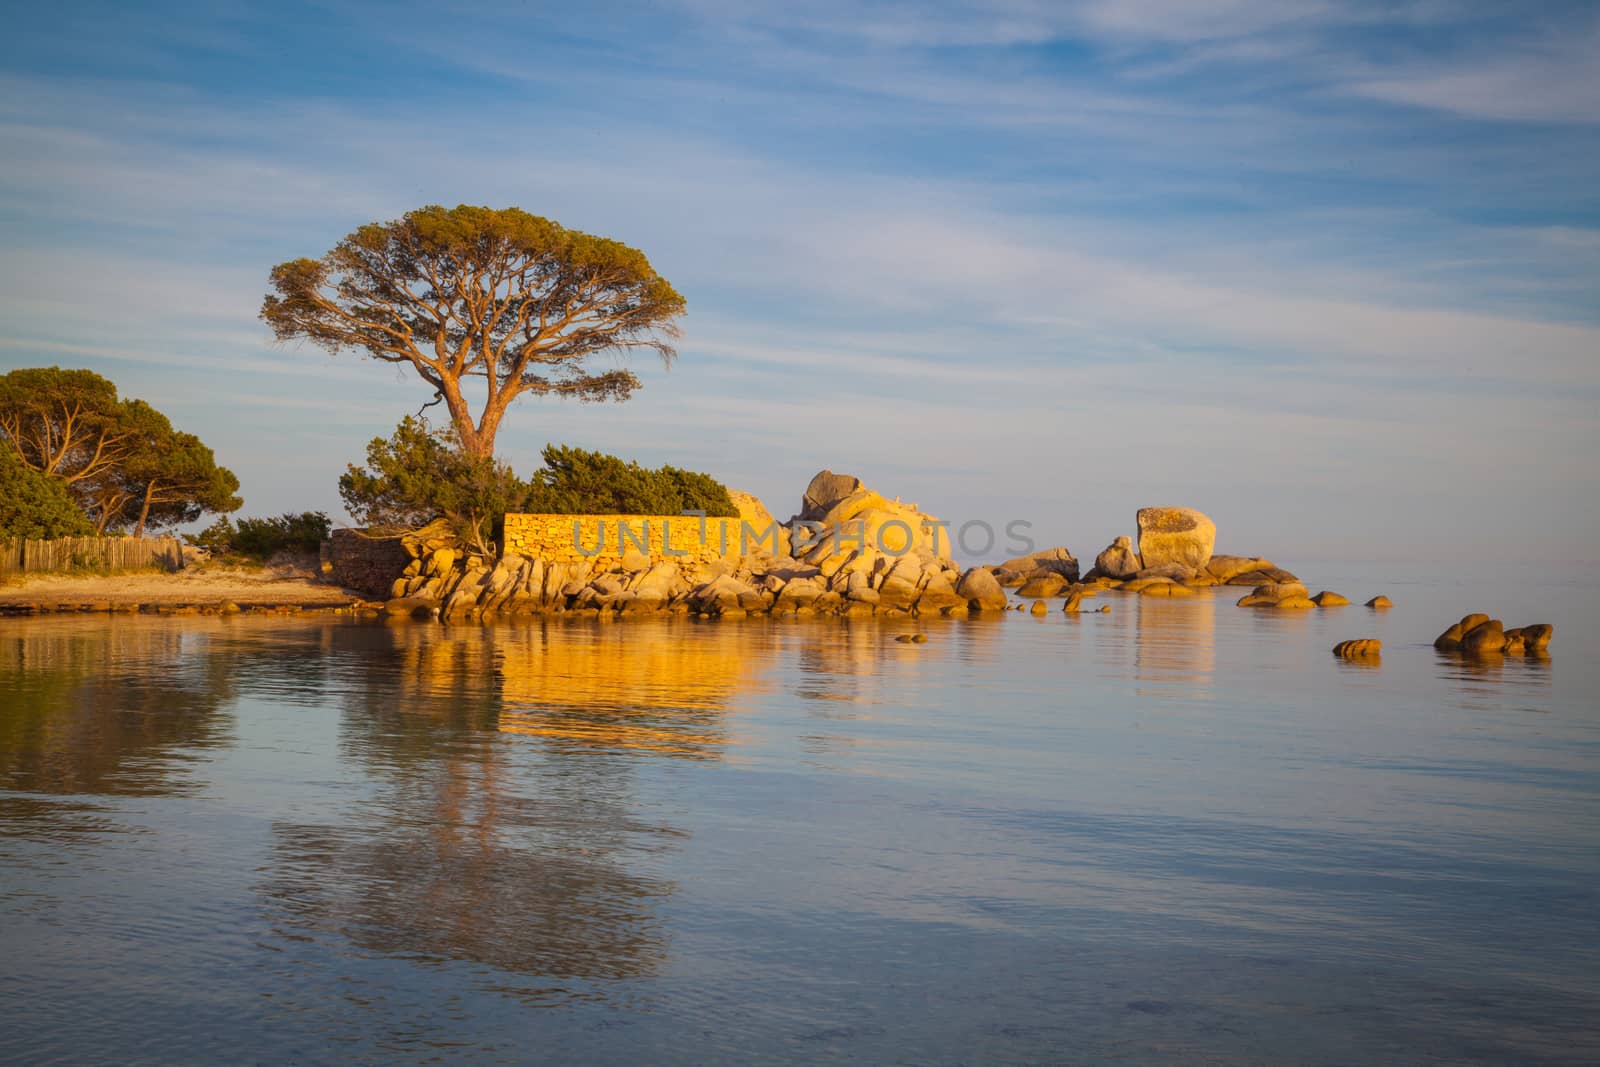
[{"x": 1076, "y": 257}]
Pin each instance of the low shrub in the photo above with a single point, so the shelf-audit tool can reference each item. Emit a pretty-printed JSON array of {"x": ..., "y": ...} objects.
[
  {"x": 575, "y": 481},
  {"x": 261, "y": 539}
]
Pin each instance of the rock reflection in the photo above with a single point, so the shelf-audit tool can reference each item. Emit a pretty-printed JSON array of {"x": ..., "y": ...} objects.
[
  {"x": 109, "y": 709},
  {"x": 1175, "y": 645}
]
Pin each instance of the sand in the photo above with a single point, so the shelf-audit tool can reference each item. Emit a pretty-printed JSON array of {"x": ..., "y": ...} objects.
[{"x": 193, "y": 585}]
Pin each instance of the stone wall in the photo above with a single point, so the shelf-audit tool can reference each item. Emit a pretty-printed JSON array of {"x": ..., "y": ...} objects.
[
  {"x": 607, "y": 539},
  {"x": 368, "y": 565}
]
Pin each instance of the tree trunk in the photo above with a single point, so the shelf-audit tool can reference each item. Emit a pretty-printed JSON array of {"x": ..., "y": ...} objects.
[
  {"x": 144, "y": 510},
  {"x": 473, "y": 442}
]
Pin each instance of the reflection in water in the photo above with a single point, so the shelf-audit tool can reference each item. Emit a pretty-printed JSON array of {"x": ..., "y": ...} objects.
[
  {"x": 109, "y": 709},
  {"x": 657, "y": 686},
  {"x": 857, "y": 663},
  {"x": 269, "y": 840},
  {"x": 479, "y": 848},
  {"x": 1175, "y": 645},
  {"x": 455, "y": 865}
]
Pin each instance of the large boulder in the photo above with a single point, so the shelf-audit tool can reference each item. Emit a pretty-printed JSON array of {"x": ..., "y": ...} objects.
[
  {"x": 1484, "y": 638},
  {"x": 1226, "y": 568},
  {"x": 857, "y": 524},
  {"x": 1045, "y": 585},
  {"x": 1048, "y": 562},
  {"x": 981, "y": 590},
  {"x": 760, "y": 520},
  {"x": 1176, "y": 535},
  {"x": 723, "y": 595},
  {"x": 825, "y": 490},
  {"x": 1118, "y": 560}
]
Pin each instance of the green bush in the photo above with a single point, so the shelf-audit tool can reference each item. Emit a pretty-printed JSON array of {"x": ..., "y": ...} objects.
[
  {"x": 35, "y": 506},
  {"x": 419, "y": 474},
  {"x": 574, "y": 481},
  {"x": 261, "y": 539}
]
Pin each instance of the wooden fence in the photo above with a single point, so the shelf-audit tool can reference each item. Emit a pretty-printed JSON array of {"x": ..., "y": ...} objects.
[{"x": 90, "y": 553}]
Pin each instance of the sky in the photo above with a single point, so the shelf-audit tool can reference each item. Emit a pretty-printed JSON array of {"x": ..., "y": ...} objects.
[{"x": 1328, "y": 272}]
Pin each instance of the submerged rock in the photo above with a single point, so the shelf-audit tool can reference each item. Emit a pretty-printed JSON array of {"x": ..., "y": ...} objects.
[
  {"x": 1166, "y": 589},
  {"x": 1327, "y": 599},
  {"x": 1380, "y": 601},
  {"x": 1360, "y": 646},
  {"x": 1479, "y": 635},
  {"x": 1484, "y": 638},
  {"x": 1226, "y": 568}
]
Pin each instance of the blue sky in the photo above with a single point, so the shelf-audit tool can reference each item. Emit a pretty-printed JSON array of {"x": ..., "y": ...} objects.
[{"x": 1328, "y": 272}]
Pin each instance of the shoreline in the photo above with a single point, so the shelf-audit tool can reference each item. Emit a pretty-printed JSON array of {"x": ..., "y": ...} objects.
[{"x": 190, "y": 591}]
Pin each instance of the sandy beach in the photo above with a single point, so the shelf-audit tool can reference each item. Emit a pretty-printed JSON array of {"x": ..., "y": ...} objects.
[{"x": 194, "y": 585}]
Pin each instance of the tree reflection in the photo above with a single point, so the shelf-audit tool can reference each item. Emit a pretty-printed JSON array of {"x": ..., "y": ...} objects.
[
  {"x": 452, "y": 866},
  {"x": 503, "y": 830},
  {"x": 88, "y": 707}
]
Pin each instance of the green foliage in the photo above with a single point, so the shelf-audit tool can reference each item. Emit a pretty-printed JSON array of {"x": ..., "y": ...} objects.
[
  {"x": 578, "y": 482},
  {"x": 217, "y": 539},
  {"x": 419, "y": 474},
  {"x": 480, "y": 302},
  {"x": 260, "y": 539},
  {"x": 121, "y": 460},
  {"x": 173, "y": 479},
  {"x": 34, "y": 506}
]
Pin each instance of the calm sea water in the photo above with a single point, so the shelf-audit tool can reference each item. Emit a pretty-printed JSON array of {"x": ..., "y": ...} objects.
[{"x": 1178, "y": 832}]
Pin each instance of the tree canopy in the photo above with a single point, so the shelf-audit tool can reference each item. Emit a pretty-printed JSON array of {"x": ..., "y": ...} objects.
[
  {"x": 67, "y": 424},
  {"x": 515, "y": 301},
  {"x": 32, "y": 505},
  {"x": 121, "y": 461},
  {"x": 574, "y": 481}
]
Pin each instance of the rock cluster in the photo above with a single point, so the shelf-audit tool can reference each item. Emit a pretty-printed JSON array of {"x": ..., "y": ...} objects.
[
  {"x": 1479, "y": 635},
  {"x": 865, "y": 555},
  {"x": 1054, "y": 566},
  {"x": 848, "y": 551},
  {"x": 1176, "y": 544}
]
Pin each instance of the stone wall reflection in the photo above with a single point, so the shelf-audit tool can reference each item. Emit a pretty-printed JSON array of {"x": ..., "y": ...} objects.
[{"x": 659, "y": 687}]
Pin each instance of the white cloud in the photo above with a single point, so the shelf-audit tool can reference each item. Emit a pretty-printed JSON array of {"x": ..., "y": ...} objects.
[{"x": 1551, "y": 78}]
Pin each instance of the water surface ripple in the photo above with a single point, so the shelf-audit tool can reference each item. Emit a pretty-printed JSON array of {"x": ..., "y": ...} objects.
[{"x": 1181, "y": 831}]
